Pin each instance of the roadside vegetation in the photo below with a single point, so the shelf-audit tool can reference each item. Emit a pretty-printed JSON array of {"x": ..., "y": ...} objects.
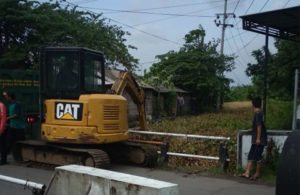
[{"x": 233, "y": 117}]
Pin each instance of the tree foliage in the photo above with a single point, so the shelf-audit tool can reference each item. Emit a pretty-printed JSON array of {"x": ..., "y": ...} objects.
[
  {"x": 196, "y": 67},
  {"x": 281, "y": 70},
  {"x": 26, "y": 26},
  {"x": 239, "y": 93}
]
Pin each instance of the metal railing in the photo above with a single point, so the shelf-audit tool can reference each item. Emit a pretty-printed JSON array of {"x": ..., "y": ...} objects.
[
  {"x": 180, "y": 135},
  {"x": 36, "y": 188},
  {"x": 222, "y": 158}
]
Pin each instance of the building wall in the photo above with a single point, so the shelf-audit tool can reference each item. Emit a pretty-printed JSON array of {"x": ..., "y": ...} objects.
[
  {"x": 150, "y": 103},
  {"x": 187, "y": 105},
  {"x": 132, "y": 108},
  {"x": 132, "y": 112}
]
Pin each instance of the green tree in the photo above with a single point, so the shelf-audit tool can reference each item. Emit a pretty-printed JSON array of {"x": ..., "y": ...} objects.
[
  {"x": 240, "y": 93},
  {"x": 281, "y": 70},
  {"x": 196, "y": 67},
  {"x": 26, "y": 26}
]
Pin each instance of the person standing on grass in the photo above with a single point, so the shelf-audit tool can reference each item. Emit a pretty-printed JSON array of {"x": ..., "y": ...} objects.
[
  {"x": 258, "y": 141},
  {"x": 2, "y": 133}
]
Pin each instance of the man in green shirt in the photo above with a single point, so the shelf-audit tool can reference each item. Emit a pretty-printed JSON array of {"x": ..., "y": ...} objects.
[{"x": 16, "y": 128}]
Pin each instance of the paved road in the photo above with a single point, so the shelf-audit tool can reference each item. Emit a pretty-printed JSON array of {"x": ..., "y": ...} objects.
[{"x": 188, "y": 184}]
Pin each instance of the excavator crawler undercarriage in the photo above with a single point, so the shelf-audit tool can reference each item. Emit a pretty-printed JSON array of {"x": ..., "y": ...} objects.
[{"x": 94, "y": 156}]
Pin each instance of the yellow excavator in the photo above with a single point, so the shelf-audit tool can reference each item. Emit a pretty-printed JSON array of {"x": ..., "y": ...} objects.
[{"x": 83, "y": 120}]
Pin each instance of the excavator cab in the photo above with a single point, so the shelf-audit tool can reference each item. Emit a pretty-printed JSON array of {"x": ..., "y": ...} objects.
[{"x": 70, "y": 72}]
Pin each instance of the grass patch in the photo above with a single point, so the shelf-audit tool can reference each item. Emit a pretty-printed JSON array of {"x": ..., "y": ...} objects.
[
  {"x": 268, "y": 175},
  {"x": 234, "y": 117}
]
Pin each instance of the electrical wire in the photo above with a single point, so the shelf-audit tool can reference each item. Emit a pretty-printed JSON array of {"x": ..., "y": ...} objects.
[
  {"x": 147, "y": 33},
  {"x": 286, "y": 3},
  {"x": 239, "y": 33},
  {"x": 236, "y": 45},
  {"x": 168, "y": 18},
  {"x": 236, "y": 6},
  {"x": 246, "y": 11},
  {"x": 264, "y": 5},
  {"x": 235, "y": 35},
  {"x": 234, "y": 59},
  {"x": 173, "y": 6},
  {"x": 249, "y": 6},
  {"x": 143, "y": 12},
  {"x": 246, "y": 50},
  {"x": 246, "y": 45},
  {"x": 132, "y": 27}
]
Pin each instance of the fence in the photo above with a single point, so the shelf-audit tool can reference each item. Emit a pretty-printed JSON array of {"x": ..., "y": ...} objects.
[
  {"x": 36, "y": 188},
  {"x": 223, "y": 154}
]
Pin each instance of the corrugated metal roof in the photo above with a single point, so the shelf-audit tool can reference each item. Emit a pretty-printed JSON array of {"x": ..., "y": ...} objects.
[
  {"x": 112, "y": 74},
  {"x": 282, "y": 23}
]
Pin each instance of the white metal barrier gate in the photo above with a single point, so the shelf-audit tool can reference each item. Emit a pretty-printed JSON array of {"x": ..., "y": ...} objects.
[
  {"x": 222, "y": 158},
  {"x": 36, "y": 188}
]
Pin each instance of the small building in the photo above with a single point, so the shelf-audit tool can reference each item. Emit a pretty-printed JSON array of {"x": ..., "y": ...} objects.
[{"x": 151, "y": 99}]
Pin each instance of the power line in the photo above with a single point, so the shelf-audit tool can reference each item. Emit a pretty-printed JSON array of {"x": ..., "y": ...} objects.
[
  {"x": 236, "y": 77},
  {"x": 132, "y": 27},
  {"x": 163, "y": 19},
  {"x": 246, "y": 50},
  {"x": 236, "y": 45},
  {"x": 264, "y": 5},
  {"x": 286, "y": 3},
  {"x": 234, "y": 59},
  {"x": 147, "y": 33},
  {"x": 233, "y": 36},
  {"x": 236, "y": 5},
  {"x": 246, "y": 45},
  {"x": 173, "y": 6},
  {"x": 246, "y": 11},
  {"x": 249, "y": 6},
  {"x": 143, "y": 12},
  {"x": 239, "y": 34}
]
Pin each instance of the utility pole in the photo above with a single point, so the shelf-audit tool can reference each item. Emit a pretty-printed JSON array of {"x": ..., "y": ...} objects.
[{"x": 218, "y": 22}]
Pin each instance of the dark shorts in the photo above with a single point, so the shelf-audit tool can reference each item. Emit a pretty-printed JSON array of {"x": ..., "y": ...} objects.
[
  {"x": 13, "y": 136},
  {"x": 255, "y": 153}
]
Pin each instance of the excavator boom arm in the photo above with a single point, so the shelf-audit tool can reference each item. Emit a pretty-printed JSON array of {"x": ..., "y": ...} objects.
[{"x": 126, "y": 82}]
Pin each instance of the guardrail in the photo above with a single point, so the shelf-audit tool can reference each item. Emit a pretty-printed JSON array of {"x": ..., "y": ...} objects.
[
  {"x": 36, "y": 188},
  {"x": 223, "y": 151}
]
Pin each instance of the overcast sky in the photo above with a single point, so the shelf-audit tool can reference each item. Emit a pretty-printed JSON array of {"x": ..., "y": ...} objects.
[{"x": 155, "y": 34}]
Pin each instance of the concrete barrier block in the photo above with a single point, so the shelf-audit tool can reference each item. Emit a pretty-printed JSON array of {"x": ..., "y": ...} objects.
[{"x": 75, "y": 179}]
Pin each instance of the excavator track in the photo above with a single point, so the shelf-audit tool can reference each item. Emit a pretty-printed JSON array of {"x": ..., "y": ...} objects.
[
  {"x": 129, "y": 152},
  {"x": 34, "y": 151},
  {"x": 42, "y": 152}
]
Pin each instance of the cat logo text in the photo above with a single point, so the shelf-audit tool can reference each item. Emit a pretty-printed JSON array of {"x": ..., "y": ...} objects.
[{"x": 68, "y": 111}]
